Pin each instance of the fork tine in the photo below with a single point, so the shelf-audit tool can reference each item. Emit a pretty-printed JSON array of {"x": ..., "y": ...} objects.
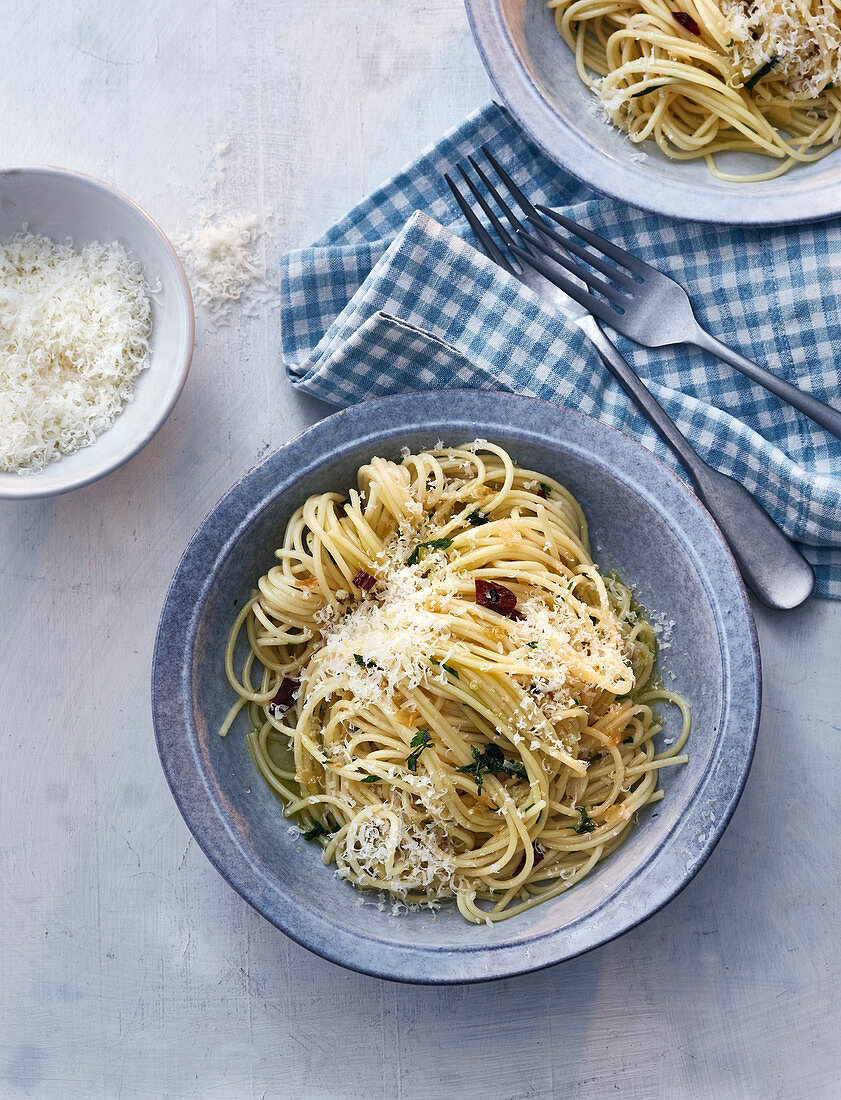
[
  {"x": 482, "y": 234},
  {"x": 539, "y": 223},
  {"x": 601, "y": 309},
  {"x": 597, "y": 306},
  {"x": 622, "y": 257},
  {"x": 610, "y": 270},
  {"x": 525, "y": 205},
  {"x": 593, "y": 281},
  {"x": 507, "y": 239},
  {"x": 513, "y": 220}
]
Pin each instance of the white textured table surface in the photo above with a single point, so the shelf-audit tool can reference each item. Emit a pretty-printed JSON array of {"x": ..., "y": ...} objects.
[{"x": 128, "y": 968}]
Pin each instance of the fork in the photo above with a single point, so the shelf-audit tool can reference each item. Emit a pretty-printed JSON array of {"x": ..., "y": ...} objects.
[
  {"x": 773, "y": 568},
  {"x": 652, "y": 309}
]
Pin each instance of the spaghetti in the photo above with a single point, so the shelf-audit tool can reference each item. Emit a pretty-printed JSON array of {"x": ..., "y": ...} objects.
[
  {"x": 713, "y": 76},
  {"x": 445, "y": 691}
]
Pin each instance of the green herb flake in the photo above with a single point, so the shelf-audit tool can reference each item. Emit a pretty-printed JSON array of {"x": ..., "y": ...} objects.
[
  {"x": 585, "y": 823},
  {"x": 419, "y": 742},
  {"x": 492, "y": 762},
  {"x": 432, "y": 544},
  {"x": 370, "y": 779},
  {"x": 360, "y": 660},
  {"x": 730, "y": 44},
  {"x": 316, "y": 831},
  {"x": 532, "y": 645},
  {"x": 829, "y": 86},
  {"x": 763, "y": 70},
  {"x": 545, "y": 489},
  {"x": 476, "y": 519},
  {"x": 447, "y": 668}
]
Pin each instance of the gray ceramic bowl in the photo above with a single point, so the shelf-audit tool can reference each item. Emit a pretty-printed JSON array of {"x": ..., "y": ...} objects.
[
  {"x": 61, "y": 205},
  {"x": 534, "y": 72},
  {"x": 644, "y": 521}
]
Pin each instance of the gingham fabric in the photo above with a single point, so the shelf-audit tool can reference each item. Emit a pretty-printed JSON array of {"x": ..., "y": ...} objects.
[{"x": 395, "y": 297}]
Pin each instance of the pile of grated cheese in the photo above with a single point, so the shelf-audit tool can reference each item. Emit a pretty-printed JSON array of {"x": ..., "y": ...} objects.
[
  {"x": 219, "y": 254},
  {"x": 805, "y": 40},
  {"x": 395, "y": 631},
  {"x": 74, "y": 336},
  {"x": 408, "y": 621},
  {"x": 378, "y": 649}
]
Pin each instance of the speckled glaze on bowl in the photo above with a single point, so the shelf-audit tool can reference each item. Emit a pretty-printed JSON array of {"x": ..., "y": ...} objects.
[
  {"x": 64, "y": 205},
  {"x": 534, "y": 73},
  {"x": 643, "y": 521}
]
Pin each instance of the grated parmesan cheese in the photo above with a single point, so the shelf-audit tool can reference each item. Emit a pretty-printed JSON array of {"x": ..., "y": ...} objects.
[
  {"x": 74, "y": 336},
  {"x": 379, "y": 648},
  {"x": 805, "y": 39},
  {"x": 220, "y": 255}
]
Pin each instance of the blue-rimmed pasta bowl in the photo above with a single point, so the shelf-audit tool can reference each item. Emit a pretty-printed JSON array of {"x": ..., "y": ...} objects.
[{"x": 644, "y": 522}]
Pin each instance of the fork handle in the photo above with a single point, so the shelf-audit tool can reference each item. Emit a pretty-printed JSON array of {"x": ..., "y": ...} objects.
[
  {"x": 816, "y": 410},
  {"x": 636, "y": 389},
  {"x": 775, "y": 571}
]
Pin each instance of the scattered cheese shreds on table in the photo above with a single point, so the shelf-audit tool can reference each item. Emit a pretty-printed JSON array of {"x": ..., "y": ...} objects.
[
  {"x": 74, "y": 336},
  {"x": 221, "y": 257}
]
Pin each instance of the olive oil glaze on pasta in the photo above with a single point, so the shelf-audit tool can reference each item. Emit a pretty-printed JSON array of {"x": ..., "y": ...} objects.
[{"x": 443, "y": 689}]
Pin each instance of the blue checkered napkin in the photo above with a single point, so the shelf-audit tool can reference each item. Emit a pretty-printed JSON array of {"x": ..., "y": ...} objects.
[{"x": 395, "y": 297}]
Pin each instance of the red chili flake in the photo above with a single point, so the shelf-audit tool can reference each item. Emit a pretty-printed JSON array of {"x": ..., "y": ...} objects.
[
  {"x": 542, "y": 493},
  {"x": 364, "y": 580},
  {"x": 284, "y": 698},
  {"x": 498, "y": 598},
  {"x": 539, "y": 853},
  {"x": 686, "y": 21}
]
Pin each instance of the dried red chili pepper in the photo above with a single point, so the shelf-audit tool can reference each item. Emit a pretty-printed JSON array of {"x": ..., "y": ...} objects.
[
  {"x": 498, "y": 598},
  {"x": 686, "y": 21},
  {"x": 539, "y": 853},
  {"x": 364, "y": 580},
  {"x": 284, "y": 698}
]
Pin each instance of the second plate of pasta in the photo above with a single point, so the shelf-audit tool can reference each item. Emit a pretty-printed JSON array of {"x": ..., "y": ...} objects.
[{"x": 707, "y": 110}]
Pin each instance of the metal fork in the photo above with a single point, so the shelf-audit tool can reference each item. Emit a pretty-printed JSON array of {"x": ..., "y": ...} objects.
[
  {"x": 652, "y": 309},
  {"x": 773, "y": 568}
]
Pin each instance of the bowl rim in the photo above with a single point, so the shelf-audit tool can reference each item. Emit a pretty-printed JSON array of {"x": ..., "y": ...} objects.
[
  {"x": 172, "y": 698},
  {"x": 714, "y": 204},
  {"x": 48, "y": 481}
]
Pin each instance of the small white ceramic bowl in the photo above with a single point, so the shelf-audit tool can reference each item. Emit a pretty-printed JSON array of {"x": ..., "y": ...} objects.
[{"x": 66, "y": 205}]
